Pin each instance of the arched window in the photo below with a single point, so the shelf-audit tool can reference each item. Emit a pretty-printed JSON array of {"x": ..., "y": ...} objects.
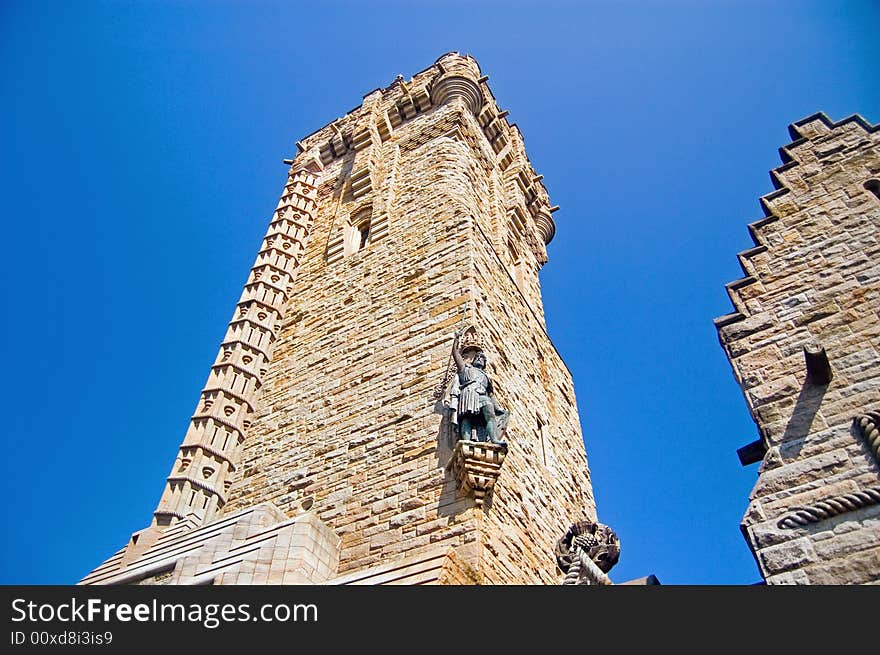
[{"x": 874, "y": 187}]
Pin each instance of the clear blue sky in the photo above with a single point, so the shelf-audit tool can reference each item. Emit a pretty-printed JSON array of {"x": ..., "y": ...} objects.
[{"x": 142, "y": 146}]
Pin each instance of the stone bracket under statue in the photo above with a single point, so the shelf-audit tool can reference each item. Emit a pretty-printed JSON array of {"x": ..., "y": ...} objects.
[{"x": 475, "y": 467}]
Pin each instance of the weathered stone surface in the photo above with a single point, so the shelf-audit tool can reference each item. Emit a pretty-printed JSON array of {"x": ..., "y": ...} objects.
[
  {"x": 859, "y": 568},
  {"x": 816, "y": 280},
  {"x": 789, "y": 578},
  {"x": 413, "y": 214},
  {"x": 258, "y": 545},
  {"x": 790, "y": 555},
  {"x": 818, "y": 467}
]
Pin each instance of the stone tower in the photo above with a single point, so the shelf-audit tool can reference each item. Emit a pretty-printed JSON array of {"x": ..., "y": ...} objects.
[
  {"x": 322, "y": 449},
  {"x": 804, "y": 344}
]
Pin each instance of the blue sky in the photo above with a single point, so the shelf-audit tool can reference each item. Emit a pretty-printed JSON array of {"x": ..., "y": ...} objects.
[{"x": 142, "y": 148}]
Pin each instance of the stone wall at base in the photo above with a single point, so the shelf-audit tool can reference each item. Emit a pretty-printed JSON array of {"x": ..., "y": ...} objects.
[{"x": 259, "y": 545}]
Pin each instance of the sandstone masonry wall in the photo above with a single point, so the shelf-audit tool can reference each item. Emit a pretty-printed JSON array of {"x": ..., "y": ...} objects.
[
  {"x": 347, "y": 426},
  {"x": 814, "y": 277},
  {"x": 319, "y": 451}
]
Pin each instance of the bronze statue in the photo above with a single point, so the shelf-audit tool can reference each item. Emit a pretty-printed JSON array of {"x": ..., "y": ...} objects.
[{"x": 473, "y": 404}]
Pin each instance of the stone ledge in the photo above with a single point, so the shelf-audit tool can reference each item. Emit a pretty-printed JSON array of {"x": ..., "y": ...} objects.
[
  {"x": 231, "y": 550},
  {"x": 475, "y": 466}
]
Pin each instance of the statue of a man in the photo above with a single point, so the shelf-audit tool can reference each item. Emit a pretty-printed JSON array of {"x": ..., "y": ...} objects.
[{"x": 475, "y": 400}]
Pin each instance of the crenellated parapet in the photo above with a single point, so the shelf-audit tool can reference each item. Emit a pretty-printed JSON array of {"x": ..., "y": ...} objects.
[
  {"x": 199, "y": 481},
  {"x": 818, "y": 143},
  {"x": 459, "y": 81},
  {"x": 802, "y": 343},
  {"x": 368, "y": 137}
]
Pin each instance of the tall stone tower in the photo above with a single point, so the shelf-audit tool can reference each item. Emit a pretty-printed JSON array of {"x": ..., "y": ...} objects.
[
  {"x": 804, "y": 344},
  {"x": 323, "y": 448}
]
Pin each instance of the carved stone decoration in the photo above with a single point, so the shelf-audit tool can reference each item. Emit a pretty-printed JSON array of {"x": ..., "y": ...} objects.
[
  {"x": 475, "y": 466},
  {"x": 832, "y": 506},
  {"x": 197, "y": 488},
  {"x": 450, "y": 87},
  {"x": 869, "y": 426},
  {"x": 545, "y": 224},
  {"x": 584, "y": 546}
]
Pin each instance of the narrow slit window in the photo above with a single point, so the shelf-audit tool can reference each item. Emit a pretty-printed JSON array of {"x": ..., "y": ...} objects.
[
  {"x": 363, "y": 235},
  {"x": 542, "y": 440}
]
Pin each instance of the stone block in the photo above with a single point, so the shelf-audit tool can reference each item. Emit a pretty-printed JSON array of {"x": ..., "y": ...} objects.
[
  {"x": 862, "y": 567},
  {"x": 801, "y": 471},
  {"x": 787, "y": 556},
  {"x": 846, "y": 543}
]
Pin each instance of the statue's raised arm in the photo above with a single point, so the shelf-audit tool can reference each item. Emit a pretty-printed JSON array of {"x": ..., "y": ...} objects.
[{"x": 456, "y": 353}]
